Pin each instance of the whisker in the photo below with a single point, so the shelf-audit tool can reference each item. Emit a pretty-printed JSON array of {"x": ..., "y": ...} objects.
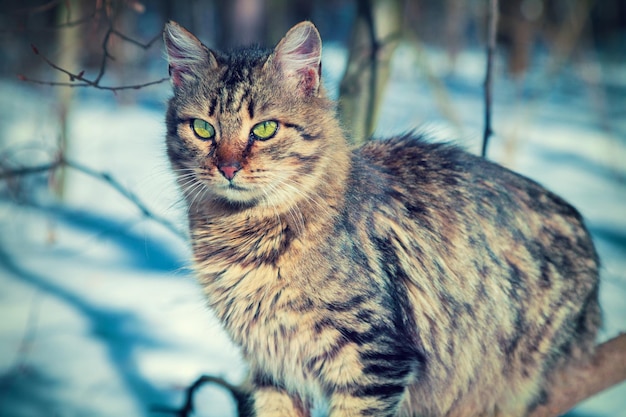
[
  {"x": 313, "y": 198},
  {"x": 196, "y": 190},
  {"x": 269, "y": 203},
  {"x": 292, "y": 211}
]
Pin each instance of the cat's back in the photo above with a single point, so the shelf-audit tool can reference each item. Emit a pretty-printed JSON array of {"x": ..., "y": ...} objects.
[
  {"x": 430, "y": 178},
  {"x": 478, "y": 241},
  {"x": 447, "y": 196}
]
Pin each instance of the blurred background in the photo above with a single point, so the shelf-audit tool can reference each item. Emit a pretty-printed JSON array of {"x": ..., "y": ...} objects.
[{"x": 99, "y": 312}]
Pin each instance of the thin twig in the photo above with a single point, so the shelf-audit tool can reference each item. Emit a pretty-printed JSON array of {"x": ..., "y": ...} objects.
[
  {"x": 240, "y": 395},
  {"x": 103, "y": 176},
  {"x": 87, "y": 83},
  {"x": 105, "y": 56},
  {"x": 492, "y": 17},
  {"x": 136, "y": 42},
  {"x": 79, "y": 79}
]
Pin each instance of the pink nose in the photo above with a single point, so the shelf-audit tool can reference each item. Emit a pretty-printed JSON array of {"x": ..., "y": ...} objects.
[{"x": 229, "y": 170}]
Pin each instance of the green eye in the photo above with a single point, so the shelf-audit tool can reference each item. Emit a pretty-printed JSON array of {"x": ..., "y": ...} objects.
[
  {"x": 265, "y": 130},
  {"x": 202, "y": 128}
]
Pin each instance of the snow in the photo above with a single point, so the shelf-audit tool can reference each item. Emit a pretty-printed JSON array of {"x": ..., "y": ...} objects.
[{"x": 100, "y": 312}]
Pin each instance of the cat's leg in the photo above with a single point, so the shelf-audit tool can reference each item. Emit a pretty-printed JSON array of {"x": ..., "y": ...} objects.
[
  {"x": 379, "y": 403},
  {"x": 360, "y": 388},
  {"x": 369, "y": 376},
  {"x": 269, "y": 401}
]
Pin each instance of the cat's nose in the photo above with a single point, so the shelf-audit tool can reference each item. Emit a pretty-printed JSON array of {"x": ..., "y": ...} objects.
[{"x": 229, "y": 170}]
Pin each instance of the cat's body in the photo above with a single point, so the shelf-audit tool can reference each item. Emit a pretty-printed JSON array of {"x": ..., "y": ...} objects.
[{"x": 400, "y": 279}]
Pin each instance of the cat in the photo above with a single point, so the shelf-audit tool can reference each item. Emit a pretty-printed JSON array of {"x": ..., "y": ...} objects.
[{"x": 402, "y": 278}]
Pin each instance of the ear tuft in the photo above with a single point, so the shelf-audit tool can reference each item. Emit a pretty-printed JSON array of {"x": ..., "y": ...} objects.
[
  {"x": 186, "y": 55},
  {"x": 299, "y": 56}
]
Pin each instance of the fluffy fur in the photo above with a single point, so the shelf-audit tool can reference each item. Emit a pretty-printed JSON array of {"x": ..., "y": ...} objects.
[{"x": 403, "y": 278}]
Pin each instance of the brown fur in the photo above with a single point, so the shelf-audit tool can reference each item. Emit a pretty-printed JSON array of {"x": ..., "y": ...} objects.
[{"x": 403, "y": 278}]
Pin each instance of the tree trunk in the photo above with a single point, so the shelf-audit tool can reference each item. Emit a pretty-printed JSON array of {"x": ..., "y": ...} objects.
[
  {"x": 375, "y": 36},
  {"x": 69, "y": 46}
]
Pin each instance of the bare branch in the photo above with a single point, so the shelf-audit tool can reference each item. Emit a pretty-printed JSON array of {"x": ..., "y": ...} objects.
[
  {"x": 82, "y": 80},
  {"x": 88, "y": 83},
  {"x": 105, "y": 56},
  {"x": 136, "y": 42},
  {"x": 79, "y": 80},
  {"x": 575, "y": 384},
  {"x": 240, "y": 395},
  {"x": 103, "y": 176},
  {"x": 492, "y": 17}
]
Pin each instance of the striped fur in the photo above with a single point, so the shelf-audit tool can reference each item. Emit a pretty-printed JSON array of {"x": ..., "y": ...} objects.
[{"x": 403, "y": 278}]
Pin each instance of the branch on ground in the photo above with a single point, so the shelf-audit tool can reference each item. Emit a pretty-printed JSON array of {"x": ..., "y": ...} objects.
[
  {"x": 239, "y": 394},
  {"x": 573, "y": 385}
]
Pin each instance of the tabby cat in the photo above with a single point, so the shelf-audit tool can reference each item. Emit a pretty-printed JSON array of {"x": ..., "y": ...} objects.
[{"x": 403, "y": 278}]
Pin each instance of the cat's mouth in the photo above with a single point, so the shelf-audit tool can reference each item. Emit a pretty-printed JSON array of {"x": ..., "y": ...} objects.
[
  {"x": 235, "y": 187},
  {"x": 235, "y": 192}
]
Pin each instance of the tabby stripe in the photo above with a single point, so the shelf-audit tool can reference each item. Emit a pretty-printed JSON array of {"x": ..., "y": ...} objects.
[
  {"x": 384, "y": 356},
  {"x": 212, "y": 106},
  {"x": 257, "y": 311},
  {"x": 347, "y": 305},
  {"x": 251, "y": 108},
  {"x": 389, "y": 371},
  {"x": 385, "y": 390},
  {"x": 244, "y": 97},
  {"x": 398, "y": 303},
  {"x": 276, "y": 297},
  {"x": 367, "y": 315},
  {"x": 323, "y": 324},
  {"x": 302, "y": 131},
  {"x": 223, "y": 96},
  {"x": 317, "y": 362},
  {"x": 360, "y": 338},
  {"x": 230, "y": 99},
  {"x": 389, "y": 410},
  {"x": 304, "y": 158},
  {"x": 262, "y": 379}
]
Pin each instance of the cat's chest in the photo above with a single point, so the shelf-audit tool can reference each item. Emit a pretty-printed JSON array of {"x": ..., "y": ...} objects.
[
  {"x": 275, "y": 321},
  {"x": 282, "y": 344}
]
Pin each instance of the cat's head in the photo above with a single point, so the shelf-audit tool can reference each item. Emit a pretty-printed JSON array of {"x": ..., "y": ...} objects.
[{"x": 251, "y": 126}]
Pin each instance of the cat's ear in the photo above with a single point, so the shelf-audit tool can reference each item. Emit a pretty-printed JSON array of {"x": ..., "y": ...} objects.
[
  {"x": 298, "y": 56},
  {"x": 188, "y": 58}
]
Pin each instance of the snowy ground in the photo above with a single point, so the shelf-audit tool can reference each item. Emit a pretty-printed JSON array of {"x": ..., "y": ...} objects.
[{"x": 100, "y": 314}]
